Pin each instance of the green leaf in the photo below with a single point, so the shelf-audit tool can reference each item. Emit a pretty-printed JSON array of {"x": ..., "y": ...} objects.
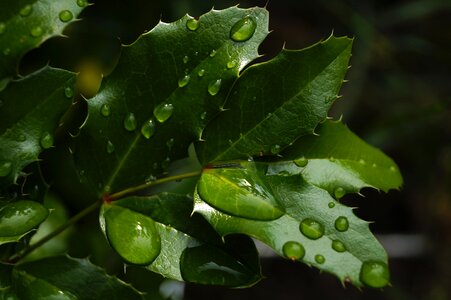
[
  {"x": 19, "y": 218},
  {"x": 166, "y": 87},
  {"x": 274, "y": 103},
  {"x": 62, "y": 277},
  {"x": 339, "y": 161},
  {"x": 186, "y": 242},
  {"x": 26, "y": 24},
  {"x": 30, "y": 112},
  {"x": 315, "y": 229}
]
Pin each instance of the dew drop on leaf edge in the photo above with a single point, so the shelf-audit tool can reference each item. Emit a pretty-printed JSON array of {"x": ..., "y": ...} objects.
[
  {"x": 341, "y": 224},
  {"x": 243, "y": 29},
  {"x": 5, "y": 168},
  {"x": 338, "y": 246},
  {"x": 214, "y": 87},
  {"x": 374, "y": 274},
  {"x": 301, "y": 162},
  {"x": 312, "y": 229},
  {"x": 192, "y": 24},
  {"x": 46, "y": 140},
  {"x": 293, "y": 250},
  {"x": 163, "y": 112},
  {"x": 130, "y": 122},
  {"x": 66, "y": 15},
  {"x": 148, "y": 129},
  {"x": 320, "y": 259}
]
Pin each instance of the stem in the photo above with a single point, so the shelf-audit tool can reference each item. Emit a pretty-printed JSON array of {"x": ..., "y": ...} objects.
[
  {"x": 122, "y": 193},
  {"x": 54, "y": 233}
]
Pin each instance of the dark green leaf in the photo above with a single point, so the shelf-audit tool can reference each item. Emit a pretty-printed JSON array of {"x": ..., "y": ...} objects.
[
  {"x": 30, "y": 112},
  {"x": 166, "y": 87},
  {"x": 339, "y": 161},
  {"x": 274, "y": 103},
  {"x": 26, "y": 24},
  {"x": 63, "y": 277}
]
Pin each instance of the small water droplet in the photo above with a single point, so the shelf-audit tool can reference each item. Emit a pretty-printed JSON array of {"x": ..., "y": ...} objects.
[
  {"x": 243, "y": 29},
  {"x": 301, "y": 162},
  {"x": 68, "y": 92},
  {"x": 6, "y": 51},
  {"x": 214, "y": 87},
  {"x": 332, "y": 158},
  {"x": 184, "y": 81},
  {"x": 105, "y": 110},
  {"x": 163, "y": 112},
  {"x": 130, "y": 122},
  {"x": 320, "y": 259},
  {"x": 392, "y": 169},
  {"x": 46, "y": 140},
  {"x": 374, "y": 274},
  {"x": 109, "y": 147},
  {"x": 339, "y": 193},
  {"x": 362, "y": 161},
  {"x": 26, "y": 10},
  {"x": 185, "y": 59},
  {"x": 201, "y": 73},
  {"x": 2, "y": 28},
  {"x": 148, "y": 129},
  {"x": 170, "y": 143},
  {"x": 66, "y": 15},
  {"x": 212, "y": 53},
  {"x": 331, "y": 204},
  {"x": 36, "y": 31},
  {"x": 341, "y": 224},
  {"x": 192, "y": 24},
  {"x": 203, "y": 115},
  {"x": 338, "y": 246},
  {"x": 293, "y": 250},
  {"x": 374, "y": 165},
  {"x": 165, "y": 163},
  {"x": 5, "y": 168},
  {"x": 275, "y": 149},
  {"x": 231, "y": 64},
  {"x": 311, "y": 229},
  {"x": 82, "y": 3},
  {"x": 151, "y": 178}
]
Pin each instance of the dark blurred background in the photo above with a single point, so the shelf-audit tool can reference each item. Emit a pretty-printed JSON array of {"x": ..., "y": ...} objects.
[{"x": 398, "y": 98}]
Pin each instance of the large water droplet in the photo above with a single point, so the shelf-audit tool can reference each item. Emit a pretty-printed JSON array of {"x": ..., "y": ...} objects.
[
  {"x": 163, "y": 112},
  {"x": 201, "y": 73},
  {"x": 82, "y": 3},
  {"x": 339, "y": 193},
  {"x": 192, "y": 24},
  {"x": 311, "y": 229},
  {"x": 243, "y": 29},
  {"x": 2, "y": 28},
  {"x": 66, "y": 15},
  {"x": 338, "y": 246},
  {"x": 109, "y": 147},
  {"x": 36, "y": 31},
  {"x": 293, "y": 250},
  {"x": 26, "y": 10},
  {"x": 374, "y": 274},
  {"x": 214, "y": 87},
  {"x": 320, "y": 259},
  {"x": 68, "y": 92},
  {"x": 19, "y": 217},
  {"x": 148, "y": 129},
  {"x": 184, "y": 81},
  {"x": 275, "y": 149},
  {"x": 46, "y": 140},
  {"x": 130, "y": 122},
  {"x": 5, "y": 168},
  {"x": 105, "y": 110},
  {"x": 301, "y": 162},
  {"x": 341, "y": 224}
]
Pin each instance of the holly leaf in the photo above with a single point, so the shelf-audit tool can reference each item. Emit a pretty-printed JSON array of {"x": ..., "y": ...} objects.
[
  {"x": 26, "y": 24},
  {"x": 64, "y": 277},
  {"x": 339, "y": 161},
  {"x": 31, "y": 108},
  {"x": 160, "y": 233},
  {"x": 274, "y": 103},
  {"x": 314, "y": 229},
  {"x": 166, "y": 87}
]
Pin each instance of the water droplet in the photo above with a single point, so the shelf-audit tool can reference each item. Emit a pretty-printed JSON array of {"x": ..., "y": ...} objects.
[
  {"x": 26, "y": 10},
  {"x": 203, "y": 115},
  {"x": 46, "y": 140},
  {"x": 185, "y": 59},
  {"x": 2, "y": 28},
  {"x": 66, "y": 15},
  {"x": 393, "y": 169},
  {"x": 275, "y": 149},
  {"x": 151, "y": 178},
  {"x": 231, "y": 64},
  {"x": 339, "y": 192},
  {"x": 320, "y": 259},
  {"x": 201, "y": 73},
  {"x": 293, "y": 250},
  {"x": 130, "y": 122},
  {"x": 109, "y": 147},
  {"x": 148, "y": 128},
  {"x": 374, "y": 165},
  {"x": 163, "y": 112},
  {"x": 82, "y": 3},
  {"x": 105, "y": 110},
  {"x": 165, "y": 163},
  {"x": 170, "y": 143},
  {"x": 184, "y": 81},
  {"x": 311, "y": 229},
  {"x": 243, "y": 29},
  {"x": 338, "y": 246},
  {"x": 332, "y": 158},
  {"x": 331, "y": 204},
  {"x": 36, "y": 31},
  {"x": 212, "y": 53},
  {"x": 6, "y": 51},
  {"x": 192, "y": 24},
  {"x": 214, "y": 87},
  {"x": 341, "y": 224},
  {"x": 68, "y": 92},
  {"x": 374, "y": 274},
  {"x": 5, "y": 168},
  {"x": 362, "y": 161},
  {"x": 301, "y": 162}
]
